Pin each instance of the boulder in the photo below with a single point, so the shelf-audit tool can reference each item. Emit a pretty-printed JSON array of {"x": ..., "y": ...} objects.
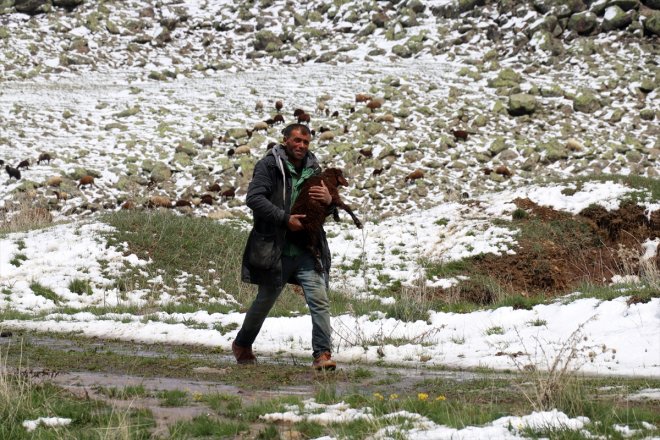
[
  {"x": 653, "y": 4},
  {"x": 266, "y": 40},
  {"x": 652, "y": 23},
  {"x": 160, "y": 172},
  {"x": 615, "y": 18},
  {"x": 583, "y": 22},
  {"x": 586, "y": 102},
  {"x": 68, "y": 4},
  {"x": 32, "y": 7},
  {"x": 521, "y": 104}
]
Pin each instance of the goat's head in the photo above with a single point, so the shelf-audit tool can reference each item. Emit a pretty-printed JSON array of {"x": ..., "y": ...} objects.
[{"x": 335, "y": 176}]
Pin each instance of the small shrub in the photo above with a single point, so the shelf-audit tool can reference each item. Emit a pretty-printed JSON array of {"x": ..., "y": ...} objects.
[
  {"x": 80, "y": 286},
  {"x": 496, "y": 330},
  {"x": 519, "y": 214},
  {"x": 18, "y": 259}
]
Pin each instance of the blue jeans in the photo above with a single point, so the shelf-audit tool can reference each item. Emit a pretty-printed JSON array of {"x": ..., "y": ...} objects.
[{"x": 301, "y": 269}]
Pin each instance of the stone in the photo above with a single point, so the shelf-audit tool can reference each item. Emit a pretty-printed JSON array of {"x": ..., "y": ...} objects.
[
  {"x": 586, "y": 102},
  {"x": 583, "y": 22},
  {"x": 521, "y": 104},
  {"x": 160, "y": 172},
  {"x": 652, "y": 23},
  {"x": 615, "y": 18},
  {"x": 32, "y": 7}
]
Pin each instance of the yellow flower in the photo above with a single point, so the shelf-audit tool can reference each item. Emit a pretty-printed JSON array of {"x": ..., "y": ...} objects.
[
  {"x": 197, "y": 396},
  {"x": 394, "y": 396},
  {"x": 441, "y": 398},
  {"x": 422, "y": 396},
  {"x": 379, "y": 396}
]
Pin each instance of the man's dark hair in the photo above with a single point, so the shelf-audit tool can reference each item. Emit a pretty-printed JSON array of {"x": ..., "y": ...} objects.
[{"x": 286, "y": 131}]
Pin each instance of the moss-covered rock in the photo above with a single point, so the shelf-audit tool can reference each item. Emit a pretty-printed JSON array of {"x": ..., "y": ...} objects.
[
  {"x": 586, "y": 102},
  {"x": 266, "y": 40},
  {"x": 615, "y": 18},
  {"x": 522, "y": 104},
  {"x": 160, "y": 172}
]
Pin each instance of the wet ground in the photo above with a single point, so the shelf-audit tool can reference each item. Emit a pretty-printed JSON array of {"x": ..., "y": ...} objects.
[{"x": 198, "y": 371}]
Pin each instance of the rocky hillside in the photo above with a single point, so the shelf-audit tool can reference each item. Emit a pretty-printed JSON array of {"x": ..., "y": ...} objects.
[{"x": 167, "y": 99}]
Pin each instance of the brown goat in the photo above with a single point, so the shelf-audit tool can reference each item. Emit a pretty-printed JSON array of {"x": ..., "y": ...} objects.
[
  {"x": 86, "y": 180},
  {"x": 214, "y": 187},
  {"x": 503, "y": 171},
  {"x": 460, "y": 134},
  {"x": 374, "y": 104},
  {"x": 278, "y": 106},
  {"x": 304, "y": 118},
  {"x": 43, "y": 157},
  {"x": 362, "y": 97},
  {"x": 278, "y": 119},
  {"x": 315, "y": 212},
  {"x": 417, "y": 174},
  {"x": 228, "y": 193},
  {"x": 23, "y": 164}
]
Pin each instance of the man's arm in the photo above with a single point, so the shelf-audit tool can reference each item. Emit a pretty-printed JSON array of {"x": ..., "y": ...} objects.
[{"x": 259, "y": 193}]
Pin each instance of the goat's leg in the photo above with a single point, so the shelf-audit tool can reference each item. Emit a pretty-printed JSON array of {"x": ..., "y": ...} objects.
[{"x": 348, "y": 209}]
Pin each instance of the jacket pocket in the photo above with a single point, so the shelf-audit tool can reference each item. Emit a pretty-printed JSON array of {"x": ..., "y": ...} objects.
[{"x": 263, "y": 251}]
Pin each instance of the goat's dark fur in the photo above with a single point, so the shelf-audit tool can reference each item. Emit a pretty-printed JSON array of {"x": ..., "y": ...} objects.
[
  {"x": 315, "y": 212},
  {"x": 13, "y": 172}
]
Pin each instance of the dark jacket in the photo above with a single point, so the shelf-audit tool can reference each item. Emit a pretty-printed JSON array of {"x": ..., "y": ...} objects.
[{"x": 269, "y": 198}]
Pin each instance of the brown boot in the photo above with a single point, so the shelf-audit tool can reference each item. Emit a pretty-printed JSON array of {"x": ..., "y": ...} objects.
[
  {"x": 324, "y": 362},
  {"x": 243, "y": 355}
]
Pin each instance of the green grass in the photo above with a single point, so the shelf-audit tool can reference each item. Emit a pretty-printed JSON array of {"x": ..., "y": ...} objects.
[
  {"x": 648, "y": 185},
  {"x": 47, "y": 293},
  {"x": 18, "y": 259},
  {"x": 128, "y": 392},
  {"x": 608, "y": 293},
  {"x": 207, "y": 427},
  {"x": 208, "y": 251},
  {"x": 81, "y": 287},
  {"x": 173, "y": 398},
  {"x": 22, "y": 399}
]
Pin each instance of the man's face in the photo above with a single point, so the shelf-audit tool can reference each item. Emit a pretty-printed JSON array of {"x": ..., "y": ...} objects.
[{"x": 296, "y": 145}]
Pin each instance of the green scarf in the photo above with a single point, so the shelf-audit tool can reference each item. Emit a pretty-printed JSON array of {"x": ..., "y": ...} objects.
[{"x": 297, "y": 181}]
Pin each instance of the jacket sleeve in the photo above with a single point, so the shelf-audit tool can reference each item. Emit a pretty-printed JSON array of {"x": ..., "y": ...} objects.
[{"x": 260, "y": 195}]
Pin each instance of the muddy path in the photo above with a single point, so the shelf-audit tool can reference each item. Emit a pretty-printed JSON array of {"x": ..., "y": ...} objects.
[{"x": 104, "y": 370}]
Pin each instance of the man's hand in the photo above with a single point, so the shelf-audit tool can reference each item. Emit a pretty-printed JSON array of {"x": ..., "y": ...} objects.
[
  {"x": 320, "y": 193},
  {"x": 294, "y": 222}
]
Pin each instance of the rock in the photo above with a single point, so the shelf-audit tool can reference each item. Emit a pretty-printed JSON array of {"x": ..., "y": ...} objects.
[
  {"x": 521, "y": 104},
  {"x": 615, "y": 18},
  {"x": 586, "y": 102},
  {"x": 626, "y": 5},
  {"x": 652, "y": 23},
  {"x": 583, "y": 22},
  {"x": 653, "y": 4},
  {"x": 647, "y": 114},
  {"x": 68, "y": 4},
  {"x": 32, "y": 7},
  {"x": 267, "y": 40},
  {"x": 506, "y": 78},
  {"x": 160, "y": 172},
  {"x": 402, "y": 51}
]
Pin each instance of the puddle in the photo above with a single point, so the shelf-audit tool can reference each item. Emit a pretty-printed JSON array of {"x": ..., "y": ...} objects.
[{"x": 349, "y": 378}]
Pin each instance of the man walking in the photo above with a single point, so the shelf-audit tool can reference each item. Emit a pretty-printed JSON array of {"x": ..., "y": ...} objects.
[{"x": 270, "y": 260}]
